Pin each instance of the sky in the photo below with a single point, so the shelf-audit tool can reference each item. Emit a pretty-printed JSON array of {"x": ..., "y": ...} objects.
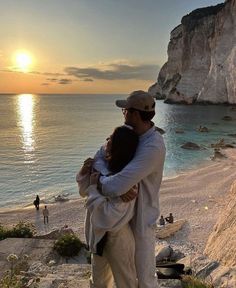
[{"x": 86, "y": 46}]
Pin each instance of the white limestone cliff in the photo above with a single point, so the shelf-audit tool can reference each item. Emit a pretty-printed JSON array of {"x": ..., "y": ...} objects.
[
  {"x": 221, "y": 244},
  {"x": 201, "y": 64}
]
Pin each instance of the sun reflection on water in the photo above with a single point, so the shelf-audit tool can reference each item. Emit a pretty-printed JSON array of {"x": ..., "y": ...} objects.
[{"x": 26, "y": 103}]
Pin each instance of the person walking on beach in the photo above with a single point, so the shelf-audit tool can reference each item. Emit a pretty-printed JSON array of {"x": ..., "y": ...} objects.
[
  {"x": 146, "y": 168},
  {"x": 37, "y": 202},
  {"x": 107, "y": 219},
  {"x": 45, "y": 215}
]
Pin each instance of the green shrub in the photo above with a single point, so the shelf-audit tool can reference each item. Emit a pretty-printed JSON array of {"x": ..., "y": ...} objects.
[
  {"x": 193, "y": 282},
  {"x": 20, "y": 230},
  {"x": 68, "y": 245},
  {"x": 2, "y": 232}
]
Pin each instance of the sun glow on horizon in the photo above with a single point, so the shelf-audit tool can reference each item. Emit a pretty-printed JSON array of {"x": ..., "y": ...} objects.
[{"x": 23, "y": 61}]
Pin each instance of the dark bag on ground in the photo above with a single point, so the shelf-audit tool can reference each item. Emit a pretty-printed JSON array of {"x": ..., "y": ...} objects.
[{"x": 170, "y": 270}]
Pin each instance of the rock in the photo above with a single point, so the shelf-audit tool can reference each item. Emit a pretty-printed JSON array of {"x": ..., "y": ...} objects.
[
  {"x": 219, "y": 144},
  {"x": 169, "y": 283},
  {"x": 221, "y": 244},
  {"x": 227, "y": 118},
  {"x": 229, "y": 146},
  {"x": 153, "y": 90},
  {"x": 223, "y": 277},
  {"x": 232, "y": 135},
  {"x": 201, "y": 68},
  {"x": 218, "y": 154},
  {"x": 160, "y": 130},
  {"x": 176, "y": 255},
  {"x": 190, "y": 146},
  {"x": 202, "y": 129},
  {"x": 51, "y": 263},
  {"x": 205, "y": 271},
  {"x": 211, "y": 271},
  {"x": 169, "y": 229},
  {"x": 163, "y": 253},
  {"x": 55, "y": 234},
  {"x": 179, "y": 131}
]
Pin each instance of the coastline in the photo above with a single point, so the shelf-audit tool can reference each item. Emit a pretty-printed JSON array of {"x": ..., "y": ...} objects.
[{"x": 196, "y": 195}]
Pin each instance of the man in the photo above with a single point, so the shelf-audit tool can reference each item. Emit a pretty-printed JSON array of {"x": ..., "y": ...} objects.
[
  {"x": 45, "y": 215},
  {"x": 170, "y": 219},
  {"x": 146, "y": 169}
]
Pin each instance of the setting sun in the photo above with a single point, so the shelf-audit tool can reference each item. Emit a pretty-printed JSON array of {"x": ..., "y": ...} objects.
[{"x": 23, "y": 61}]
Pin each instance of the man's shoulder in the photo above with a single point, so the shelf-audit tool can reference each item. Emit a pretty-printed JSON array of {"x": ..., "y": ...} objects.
[{"x": 154, "y": 139}]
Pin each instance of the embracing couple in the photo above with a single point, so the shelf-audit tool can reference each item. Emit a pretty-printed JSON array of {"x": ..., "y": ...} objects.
[{"x": 122, "y": 184}]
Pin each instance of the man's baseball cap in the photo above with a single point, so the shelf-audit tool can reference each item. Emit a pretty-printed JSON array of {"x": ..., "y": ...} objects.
[{"x": 139, "y": 100}]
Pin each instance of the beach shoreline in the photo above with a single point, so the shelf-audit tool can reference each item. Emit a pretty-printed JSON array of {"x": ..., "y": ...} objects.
[{"x": 196, "y": 195}]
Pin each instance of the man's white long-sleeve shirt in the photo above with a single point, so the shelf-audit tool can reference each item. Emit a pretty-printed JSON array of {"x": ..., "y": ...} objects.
[{"x": 146, "y": 168}]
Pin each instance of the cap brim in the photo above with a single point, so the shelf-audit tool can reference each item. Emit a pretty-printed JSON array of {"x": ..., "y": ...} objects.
[{"x": 121, "y": 103}]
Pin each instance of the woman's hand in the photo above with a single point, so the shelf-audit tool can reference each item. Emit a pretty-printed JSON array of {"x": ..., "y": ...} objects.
[
  {"x": 87, "y": 167},
  {"x": 94, "y": 178},
  {"x": 130, "y": 195}
]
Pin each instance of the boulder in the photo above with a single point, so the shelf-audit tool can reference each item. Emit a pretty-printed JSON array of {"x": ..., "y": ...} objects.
[
  {"x": 202, "y": 129},
  {"x": 169, "y": 229},
  {"x": 232, "y": 135},
  {"x": 160, "y": 130},
  {"x": 190, "y": 146},
  {"x": 211, "y": 271},
  {"x": 163, "y": 253},
  {"x": 179, "y": 131},
  {"x": 218, "y": 154},
  {"x": 227, "y": 118}
]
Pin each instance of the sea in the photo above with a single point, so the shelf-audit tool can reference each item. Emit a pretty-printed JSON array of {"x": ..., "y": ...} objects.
[{"x": 44, "y": 140}]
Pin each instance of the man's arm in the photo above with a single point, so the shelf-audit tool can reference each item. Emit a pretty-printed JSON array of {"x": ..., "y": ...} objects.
[
  {"x": 144, "y": 163},
  {"x": 105, "y": 214}
]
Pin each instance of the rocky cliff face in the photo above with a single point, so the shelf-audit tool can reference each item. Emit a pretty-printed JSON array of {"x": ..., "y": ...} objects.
[
  {"x": 201, "y": 64},
  {"x": 221, "y": 244}
]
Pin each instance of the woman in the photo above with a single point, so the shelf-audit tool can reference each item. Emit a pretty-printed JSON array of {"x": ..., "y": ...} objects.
[{"x": 107, "y": 219}]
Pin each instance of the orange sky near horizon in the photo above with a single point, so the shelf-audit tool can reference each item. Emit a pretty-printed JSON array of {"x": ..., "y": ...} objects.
[{"x": 18, "y": 83}]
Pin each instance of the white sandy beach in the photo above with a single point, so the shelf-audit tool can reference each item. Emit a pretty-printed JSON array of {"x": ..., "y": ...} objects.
[{"x": 196, "y": 195}]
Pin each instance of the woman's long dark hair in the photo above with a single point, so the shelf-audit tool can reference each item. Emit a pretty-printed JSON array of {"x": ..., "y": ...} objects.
[{"x": 124, "y": 142}]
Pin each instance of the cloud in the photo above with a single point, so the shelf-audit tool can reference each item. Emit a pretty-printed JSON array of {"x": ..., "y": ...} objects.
[
  {"x": 45, "y": 84},
  {"x": 88, "y": 80},
  {"x": 47, "y": 73},
  {"x": 116, "y": 71},
  {"x": 64, "y": 81},
  {"x": 52, "y": 79}
]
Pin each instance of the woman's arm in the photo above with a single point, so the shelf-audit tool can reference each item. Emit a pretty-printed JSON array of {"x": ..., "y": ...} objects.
[{"x": 105, "y": 213}]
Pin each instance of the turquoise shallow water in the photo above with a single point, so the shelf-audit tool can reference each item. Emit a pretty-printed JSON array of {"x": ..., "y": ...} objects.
[{"x": 45, "y": 138}]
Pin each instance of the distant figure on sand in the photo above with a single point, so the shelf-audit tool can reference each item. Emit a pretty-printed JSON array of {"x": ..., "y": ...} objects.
[
  {"x": 45, "y": 214},
  {"x": 162, "y": 221},
  {"x": 170, "y": 219},
  {"x": 36, "y": 202}
]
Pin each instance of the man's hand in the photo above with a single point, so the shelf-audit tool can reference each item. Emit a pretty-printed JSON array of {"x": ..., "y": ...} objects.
[
  {"x": 87, "y": 167},
  {"x": 130, "y": 195}
]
